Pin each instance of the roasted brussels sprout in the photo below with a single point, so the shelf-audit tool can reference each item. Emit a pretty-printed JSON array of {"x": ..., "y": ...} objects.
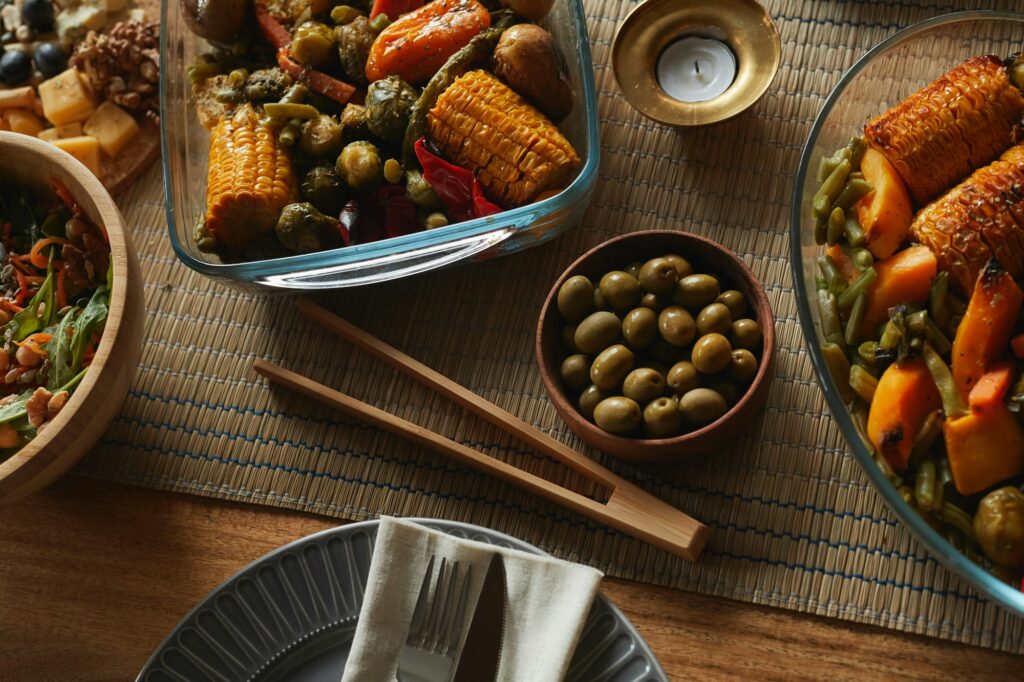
[
  {"x": 321, "y": 137},
  {"x": 312, "y": 44},
  {"x": 388, "y": 102},
  {"x": 359, "y": 165},
  {"x": 999, "y": 526},
  {"x": 353, "y": 123},
  {"x": 322, "y": 187},
  {"x": 420, "y": 191},
  {"x": 354, "y": 41},
  {"x": 303, "y": 229},
  {"x": 266, "y": 85}
]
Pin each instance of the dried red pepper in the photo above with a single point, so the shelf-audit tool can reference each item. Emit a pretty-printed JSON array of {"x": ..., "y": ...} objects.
[{"x": 459, "y": 189}]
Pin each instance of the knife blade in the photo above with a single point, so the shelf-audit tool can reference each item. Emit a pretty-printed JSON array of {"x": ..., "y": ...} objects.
[{"x": 481, "y": 653}]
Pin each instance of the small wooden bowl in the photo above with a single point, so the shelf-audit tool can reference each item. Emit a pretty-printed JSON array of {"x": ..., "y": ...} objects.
[
  {"x": 707, "y": 256},
  {"x": 30, "y": 163}
]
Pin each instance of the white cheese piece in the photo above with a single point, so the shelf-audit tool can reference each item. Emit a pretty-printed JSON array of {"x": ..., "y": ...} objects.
[{"x": 72, "y": 24}]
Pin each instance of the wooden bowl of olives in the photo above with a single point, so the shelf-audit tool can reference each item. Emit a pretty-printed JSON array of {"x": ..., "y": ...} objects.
[{"x": 656, "y": 345}]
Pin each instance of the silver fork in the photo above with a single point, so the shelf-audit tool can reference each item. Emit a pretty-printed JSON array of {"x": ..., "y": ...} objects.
[{"x": 436, "y": 628}]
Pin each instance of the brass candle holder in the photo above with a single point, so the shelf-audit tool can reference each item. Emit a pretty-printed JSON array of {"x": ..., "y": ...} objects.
[{"x": 743, "y": 25}]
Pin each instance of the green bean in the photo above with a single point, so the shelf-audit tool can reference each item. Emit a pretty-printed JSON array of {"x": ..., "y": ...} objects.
[
  {"x": 862, "y": 258},
  {"x": 853, "y": 192},
  {"x": 835, "y": 279},
  {"x": 857, "y": 147},
  {"x": 858, "y": 287},
  {"x": 827, "y": 164},
  {"x": 820, "y": 231},
  {"x": 890, "y": 336},
  {"x": 952, "y": 403},
  {"x": 866, "y": 352},
  {"x": 290, "y": 110},
  {"x": 886, "y": 468},
  {"x": 856, "y": 320},
  {"x": 820, "y": 207},
  {"x": 288, "y": 135},
  {"x": 957, "y": 517},
  {"x": 921, "y": 324},
  {"x": 197, "y": 73},
  {"x": 237, "y": 77},
  {"x": 854, "y": 232},
  {"x": 295, "y": 94},
  {"x": 344, "y": 14},
  {"x": 855, "y": 174},
  {"x": 860, "y": 422},
  {"x": 907, "y": 493},
  {"x": 836, "y": 225},
  {"x": 863, "y": 383},
  {"x": 839, "y": 367},
  {"x": 924, "y": 485},
  {"x": 926, "y": 436},
  {"x": 207, "y": 244},
  {"x": 228, "y": 96},
  {"x": 379, "y": 23},
  {"x": 955, "y": 538},
  {"x": 833, "y": 184},
  {"x": 830, "y": 325},
  {"x": 938, "y": 304},
  {"x": 915, "y": 321},
  {"x": 940, "y": 492},
  {"x": 820, "y": 284}
]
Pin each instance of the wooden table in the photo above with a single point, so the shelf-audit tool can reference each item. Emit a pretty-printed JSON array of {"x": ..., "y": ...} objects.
[{"x": 93, "y": 575}]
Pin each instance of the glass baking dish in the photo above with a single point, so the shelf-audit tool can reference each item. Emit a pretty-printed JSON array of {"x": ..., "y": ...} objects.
[{"x": 185, "y": 147}]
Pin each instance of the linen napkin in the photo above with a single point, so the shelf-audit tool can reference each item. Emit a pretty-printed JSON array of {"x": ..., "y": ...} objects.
[{"x": 547, "y": 603}]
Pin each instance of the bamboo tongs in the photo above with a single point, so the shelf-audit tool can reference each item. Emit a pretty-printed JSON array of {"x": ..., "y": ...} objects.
[{"x": 629, "y": 508}]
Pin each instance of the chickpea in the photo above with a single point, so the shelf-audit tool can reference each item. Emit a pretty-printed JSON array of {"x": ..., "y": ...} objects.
[
  {"x": 393, "y": 171},
  {"x": 8, "y": 437},
  {"x": 435, "y": 220},
  {"x": 27, "y": 357},
  {"x": 5, "y": 359}
]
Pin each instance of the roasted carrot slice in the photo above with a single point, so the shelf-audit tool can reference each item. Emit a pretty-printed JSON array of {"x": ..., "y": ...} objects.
[
  {"x": 905, "y": 277},
  {"x": 984, "y": 448},
  {"x": 906, "y": 394},
  {"x": 885, "y": 213}
]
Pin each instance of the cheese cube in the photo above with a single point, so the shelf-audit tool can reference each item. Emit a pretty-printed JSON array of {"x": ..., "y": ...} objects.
[
  {"x": 61, "y": 132},
  {"x": 23, "y": 121},
  {"x": 111, "y": 6},
  {"x": 86, "y": 149},
  {"x": 74, "y": 23},
  {"x": 65, "y": 98},
  {"x": 50, "y": 135},
  {"x": 23, "y": 98},
  {"x": 112, "y": 126}
]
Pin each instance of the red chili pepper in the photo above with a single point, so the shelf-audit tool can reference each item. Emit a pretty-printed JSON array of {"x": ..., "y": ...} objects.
[
  {"x": 394, "y": 8},
  {"x": 64, "y": 195},
  {"x": 273, "y": 30},
  {"x": 328, "y": 86},
  {"x": 459, "y": 189}
]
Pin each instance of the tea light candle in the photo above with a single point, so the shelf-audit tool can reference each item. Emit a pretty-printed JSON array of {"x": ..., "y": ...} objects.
[{"x": 696, "y": 69}]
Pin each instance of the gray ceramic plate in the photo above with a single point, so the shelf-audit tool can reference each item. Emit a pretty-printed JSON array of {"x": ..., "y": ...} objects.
[{"x": 291, "y": 616}]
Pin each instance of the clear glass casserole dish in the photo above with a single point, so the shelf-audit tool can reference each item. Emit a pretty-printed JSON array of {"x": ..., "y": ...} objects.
[
  {"x": 888, "y": 73},
  {"x": 185, "y": 152}
]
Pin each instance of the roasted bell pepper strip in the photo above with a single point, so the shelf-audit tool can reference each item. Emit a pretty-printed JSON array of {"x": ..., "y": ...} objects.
[
  {"x": 991, "y": 389},
  {"x": 276, "y": 33},
  {"x": 394, "y": 8},
  {"x": 1017, "y": 344},
  {"x": 340, "y": 91},
  {"x": 459, "y": 189}
]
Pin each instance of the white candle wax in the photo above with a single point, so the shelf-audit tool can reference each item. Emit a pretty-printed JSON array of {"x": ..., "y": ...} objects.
[{"x": 696, "y": 69}]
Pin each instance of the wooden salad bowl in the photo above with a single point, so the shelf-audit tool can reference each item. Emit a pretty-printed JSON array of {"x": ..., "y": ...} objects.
[
  {"x": 707, "y": 256},
  {"x": 30, "y": 163}
]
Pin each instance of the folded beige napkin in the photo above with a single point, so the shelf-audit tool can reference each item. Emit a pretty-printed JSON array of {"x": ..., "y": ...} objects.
[{"x": 547, "y": 603}]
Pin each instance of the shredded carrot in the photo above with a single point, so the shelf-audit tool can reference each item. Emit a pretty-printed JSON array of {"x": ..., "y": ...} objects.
[
  {"x": 61, "y": 191},
  {"x": 36, "y": 255},
  {"x": 22, "y": 295},
  {"x": 62, "y": 299}
]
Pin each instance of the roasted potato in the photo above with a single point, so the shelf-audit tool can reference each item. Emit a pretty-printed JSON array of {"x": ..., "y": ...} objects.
[{"x": 529, "y": 60}]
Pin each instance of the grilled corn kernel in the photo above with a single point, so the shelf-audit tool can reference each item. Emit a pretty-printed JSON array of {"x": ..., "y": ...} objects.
[{"x": 516, "y": 152}]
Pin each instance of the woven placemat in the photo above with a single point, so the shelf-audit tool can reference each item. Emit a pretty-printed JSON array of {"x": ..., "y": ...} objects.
[{"x": 795, "y": 522}]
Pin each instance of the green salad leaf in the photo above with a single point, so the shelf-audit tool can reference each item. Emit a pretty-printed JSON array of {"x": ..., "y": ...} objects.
[
  {"x": 31, "y": 319},
  {"x": 16, "y": 409},
  {"x": 59, "y": 351},
  {"x": 88, "y": 323}
]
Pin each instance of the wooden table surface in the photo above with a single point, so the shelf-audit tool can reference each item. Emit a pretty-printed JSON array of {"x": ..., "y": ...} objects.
[{"x": 93, "y": 575}]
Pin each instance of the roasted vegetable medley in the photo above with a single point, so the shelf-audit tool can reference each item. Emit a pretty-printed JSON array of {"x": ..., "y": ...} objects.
[
  {"x": 920, "y": 308},
  {"x": 54, "y": 295},
  {"x": 656, "y": 349},
  {"x": 333, "y": 125}
]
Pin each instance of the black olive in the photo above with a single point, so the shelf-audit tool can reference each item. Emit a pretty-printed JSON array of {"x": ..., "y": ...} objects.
[
  {"x": 38, "y": 14},
  {"x": 50, "y": 59},
  {"x": 15, "y": 67}
]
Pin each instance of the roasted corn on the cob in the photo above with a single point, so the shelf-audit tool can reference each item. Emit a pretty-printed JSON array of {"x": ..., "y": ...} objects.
[
  {"x": 250, "y": 179},
  {"x": 981, "y": 218},
  {"x": 481, "y": 124},
  {"x": 948, "y": 128}
]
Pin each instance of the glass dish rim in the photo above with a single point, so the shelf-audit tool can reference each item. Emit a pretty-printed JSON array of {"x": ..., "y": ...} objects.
[
  {"x": 981, "y": 580},
  {"x": 251, "y": 271}
]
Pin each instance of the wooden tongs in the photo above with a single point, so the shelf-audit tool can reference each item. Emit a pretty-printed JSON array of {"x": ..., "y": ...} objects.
[{"x": 629, "y": 508}]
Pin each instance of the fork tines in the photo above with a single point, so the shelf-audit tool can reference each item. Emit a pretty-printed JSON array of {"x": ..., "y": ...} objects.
[{"x": 440, "y": 608}]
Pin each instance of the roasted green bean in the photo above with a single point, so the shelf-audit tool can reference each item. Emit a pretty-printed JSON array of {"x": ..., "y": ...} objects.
[
  {"x": 890, "y": 336},
  {"x": 867, "y": 353},
  {"x": 952, "y": 403},
  {"x": 924, "y": 485},
  {"x": 856, "y": 320},
  {"x": 857, "y": 287},
  {"x": 834, "y": 183},
  {"x": 938, "y": 304},
  {"x": 290, "y": 110},
  {"x": 857, "y": 147},
  {"x": 854, "y": 232},
  {"x": 957, "y": 517},
  {"x": 862, "y": 258},
  {"x": 863, "y": 383},
  {"x": 827, "y": 164},
  {"x": 831, "y": 327},
  {"x": 853, "y": 192},
  {"x": 836, "y": 225},
  {"x": 836, "y": 281},
  {"x": 839, "y": 368},
  {"x": 930, "y": 430}
]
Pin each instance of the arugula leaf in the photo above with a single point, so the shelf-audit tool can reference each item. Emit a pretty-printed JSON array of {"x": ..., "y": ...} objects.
[
  {"x": 90, "y": 322},
  {"x": 59, "y": 350},
  {"x": 29, "y": 320},
  {"x": 13, "y": 410}
]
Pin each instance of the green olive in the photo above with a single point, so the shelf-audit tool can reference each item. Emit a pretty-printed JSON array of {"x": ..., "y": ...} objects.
[
  {"x": 746, "y": 333},
  {"x": 655, "y": 302},
  {"x": 659, "y": 367},
  {"x": 664, "y": 352},
  {"x": 683, "y": 266},
  {"x": 659, "y": 276},
  {"x": 999, "y": 526},
  {"x": 723, "y": 386},
  {"x": 621, "y": 290},
  {"x": 569, "y": 338},
  {"x": 662, "y": 418},
  {"x": 702, "y": 406},
  {"x": 640, "y": 328},
  {"x": 589, "y": 399},
  {"x": 676, "y": 325},
  {"x": 714, "y": 317},
  {"x": 596, "y": 332},
  {"x": 735, "y": 301},
  {"x": 696, "y": 291},
  {"x": 576, "y": 298},
  {"x": 576, "y": 371},
  {"x": 599, "y": 302},
  {"x": 643, "y": 385},
  {"x": 611, "y": 367},
  {"x": 712, "y": 353},
  {"x": 617, "y": 414},
  {"x": 743, "y": 366},
  {"x": 633, "y": 268},
  {"x": 683, "y": 377}
]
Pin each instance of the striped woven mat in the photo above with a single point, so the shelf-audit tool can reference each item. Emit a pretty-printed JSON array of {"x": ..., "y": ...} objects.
[{"x": 795, "y": 522}]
